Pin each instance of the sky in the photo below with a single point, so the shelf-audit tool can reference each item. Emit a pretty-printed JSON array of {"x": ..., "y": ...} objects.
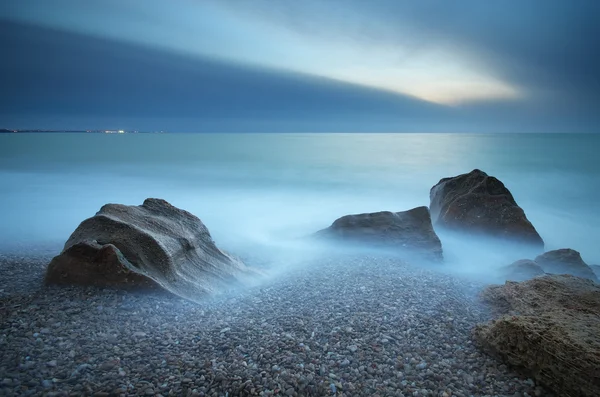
[{"x": 309, "y": 66}]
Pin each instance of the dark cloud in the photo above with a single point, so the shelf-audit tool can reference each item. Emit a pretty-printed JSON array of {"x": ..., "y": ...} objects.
[
  {"x": 48, "y": 73},
  {"x": 549, "y": 48},
  {"x": 546, "y": 48}
]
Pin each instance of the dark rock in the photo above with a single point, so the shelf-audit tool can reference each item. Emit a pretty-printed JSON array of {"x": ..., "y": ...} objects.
[
  {"x": 548, "y": 326},
  {"x": 90, "y": 263},
  {"x": 478, "y": 203},
  {"x": 521, "y": 270},
  {"x": 565, "y": 261},
  {"x": 562, "y": 261},
  {"x": 408, "y": 231},
  {"x": 148, "y": 246}
]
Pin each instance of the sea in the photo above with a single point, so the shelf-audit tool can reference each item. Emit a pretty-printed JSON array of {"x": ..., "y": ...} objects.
[{"x": 261, "y": 190}]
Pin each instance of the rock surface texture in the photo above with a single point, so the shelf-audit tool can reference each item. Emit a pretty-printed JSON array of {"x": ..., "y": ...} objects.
[
  {"x": 148, "y": 246},
  {"x": 548, "y": 327},
  {"x": 408, "y": 232},
  {"x": 479, "y": 203}
]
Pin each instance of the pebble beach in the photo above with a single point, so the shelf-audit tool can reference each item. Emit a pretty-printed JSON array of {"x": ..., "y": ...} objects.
[{"x": 354, "y": 325}]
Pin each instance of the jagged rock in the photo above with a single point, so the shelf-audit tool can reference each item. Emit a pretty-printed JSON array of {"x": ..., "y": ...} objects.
[
  {"x": 520, "y": 270},
  {"x": 565, "y": 261},
  {"x": 405, "y": 232},
  {"x": 548, "y": 326},
  {"x": 479, "y": 203},
  {"x": 148, "y": 246}
]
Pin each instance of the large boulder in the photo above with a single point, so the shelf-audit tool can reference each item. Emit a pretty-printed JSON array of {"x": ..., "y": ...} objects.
[
  {"x": 521, "y": 270},
  {"x": 407, "y": 232},
  {"x": 565, "y": 261},
  {"x": 149, "y": 246},
  {"x": 479, "y": 203},
  {"x": 548, "y": 327}
]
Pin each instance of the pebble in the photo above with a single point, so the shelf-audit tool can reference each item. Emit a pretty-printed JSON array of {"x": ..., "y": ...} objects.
[{"x": 310, "y": 331}]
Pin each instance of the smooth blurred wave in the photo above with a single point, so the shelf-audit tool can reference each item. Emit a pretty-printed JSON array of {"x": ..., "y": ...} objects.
[{"x": 264, "y": 189}]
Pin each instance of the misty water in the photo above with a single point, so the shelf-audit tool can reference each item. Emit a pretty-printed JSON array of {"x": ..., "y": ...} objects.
[
  {"x": 263, "y": 191},
  {"x": 315, "y": 322}
]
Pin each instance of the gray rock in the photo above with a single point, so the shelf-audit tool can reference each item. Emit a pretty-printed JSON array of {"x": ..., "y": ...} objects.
[
  {"x": 407, "y": 232},
  {"x": 480, "y": 204},
  {"x": 521, "y": 270},
  {"x": 149, "y": 246},
  {"x": 565, "y": 261},
  {"x": 562, "y": 261}
]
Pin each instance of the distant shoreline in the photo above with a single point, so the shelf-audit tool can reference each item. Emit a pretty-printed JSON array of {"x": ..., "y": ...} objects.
[
  {"x": 19, "y": 131},
  {"x": 508, "y": 133}
]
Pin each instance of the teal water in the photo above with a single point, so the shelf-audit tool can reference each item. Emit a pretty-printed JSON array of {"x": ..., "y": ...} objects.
[{"x": 260, "y": 188}]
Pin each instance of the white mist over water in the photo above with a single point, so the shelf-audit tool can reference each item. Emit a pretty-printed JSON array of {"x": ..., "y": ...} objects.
[{"x": 261, "y": 191}]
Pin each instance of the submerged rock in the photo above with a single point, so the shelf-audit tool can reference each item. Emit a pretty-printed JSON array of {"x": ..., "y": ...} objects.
[
  {"x": 148, "y": 246},
  {"x": 405, "y": 232},
  {"x": 565, "y": 261},
  {"x": 548, "y": 326},
  {"x": 521, "y": 270},
  {"x": 479, "y": 203}
]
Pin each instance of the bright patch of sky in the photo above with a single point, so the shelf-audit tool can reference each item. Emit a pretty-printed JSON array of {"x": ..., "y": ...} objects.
[{"x": 225, "y": 30}]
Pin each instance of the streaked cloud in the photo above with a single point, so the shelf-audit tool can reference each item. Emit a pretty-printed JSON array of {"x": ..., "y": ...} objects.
[
  {"x": 238, "y": 32},
  {"x": 489, "y": 64}
]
